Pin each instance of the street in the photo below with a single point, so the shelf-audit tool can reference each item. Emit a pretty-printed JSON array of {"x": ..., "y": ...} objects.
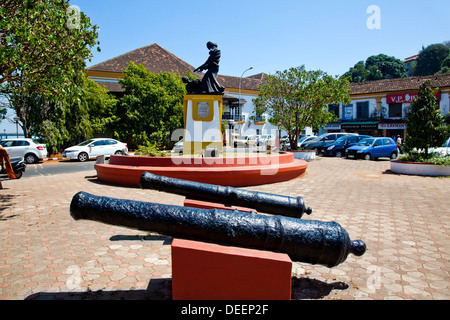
[{"x": 48, "y": 168}]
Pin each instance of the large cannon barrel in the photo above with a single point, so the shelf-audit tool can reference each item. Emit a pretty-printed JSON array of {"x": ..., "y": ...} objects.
[
  {"x": 308, "y": 241},
  {"x": 260, "y": 201}
]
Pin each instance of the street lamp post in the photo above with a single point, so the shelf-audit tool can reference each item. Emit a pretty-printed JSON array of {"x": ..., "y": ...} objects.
[{"x": 240, "y": 110}]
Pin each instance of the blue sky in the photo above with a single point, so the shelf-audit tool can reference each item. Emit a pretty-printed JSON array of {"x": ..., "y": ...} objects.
[{"x": 269, "y": 35}]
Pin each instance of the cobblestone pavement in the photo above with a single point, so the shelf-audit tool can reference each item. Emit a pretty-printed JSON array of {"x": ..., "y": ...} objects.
[{"x": 404, "y": 221}]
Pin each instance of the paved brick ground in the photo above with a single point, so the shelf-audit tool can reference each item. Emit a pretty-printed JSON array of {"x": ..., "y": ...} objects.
[{"x": 404, "y": 220}]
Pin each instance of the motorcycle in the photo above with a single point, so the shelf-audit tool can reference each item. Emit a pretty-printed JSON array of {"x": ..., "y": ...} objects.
[{"x": 18, "y": 165}]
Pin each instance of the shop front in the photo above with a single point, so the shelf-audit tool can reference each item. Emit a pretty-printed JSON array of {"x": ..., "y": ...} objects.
[
  {"x": 363, "y": 127},
  {"x": 393, "y": 129}
]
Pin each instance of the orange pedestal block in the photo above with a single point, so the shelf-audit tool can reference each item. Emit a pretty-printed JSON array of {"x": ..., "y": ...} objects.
[
  {"x": 207, "y": 271},
  {"x": 211, "y": 205}
]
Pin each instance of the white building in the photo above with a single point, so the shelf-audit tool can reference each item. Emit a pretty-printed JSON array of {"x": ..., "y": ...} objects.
[{"x": 379, "y": 108}]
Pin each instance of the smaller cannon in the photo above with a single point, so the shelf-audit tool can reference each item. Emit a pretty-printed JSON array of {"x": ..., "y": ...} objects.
[
  {"x": 309, "y": 241},
  {"x": 260, "y": 201}
]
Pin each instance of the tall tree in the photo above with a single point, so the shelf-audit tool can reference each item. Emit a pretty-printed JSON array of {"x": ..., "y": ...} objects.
[
  {"x": 358, "y": 73},
  {"x": 430, "y": 59},
  {"x": 445, "y": 66},
  {"x": 389, "y": 67},
  {"x": 425, "y": 122},
  {"x": 43, "y": 48},
  {"x": 375, "y": 68},
  {"x": 151, "y": 108},
  {"x": 297, "y": 98}
]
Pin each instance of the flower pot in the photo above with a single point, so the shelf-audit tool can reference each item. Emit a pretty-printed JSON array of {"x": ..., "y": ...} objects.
[{"x": 419, "y": 168}]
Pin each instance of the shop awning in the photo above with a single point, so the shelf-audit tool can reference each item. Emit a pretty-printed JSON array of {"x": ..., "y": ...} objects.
[{"x": 359, "y": 125}]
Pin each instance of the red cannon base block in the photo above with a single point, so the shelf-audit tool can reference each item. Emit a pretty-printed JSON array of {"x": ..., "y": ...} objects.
[{"x": 207, "y": 271}]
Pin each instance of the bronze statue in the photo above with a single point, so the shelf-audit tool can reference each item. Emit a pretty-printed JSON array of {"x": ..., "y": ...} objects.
[{"x": 209, "y": 84}]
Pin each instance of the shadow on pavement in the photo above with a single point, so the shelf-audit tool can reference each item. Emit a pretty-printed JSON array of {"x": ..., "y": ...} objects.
[
  {"x": 307, "y": 288},
  {"x": 158, "y": 289},
  {"x": 161, "y": 289},
  {"x": 6, "y": 201},
  {"x": 167, "y": 240}
]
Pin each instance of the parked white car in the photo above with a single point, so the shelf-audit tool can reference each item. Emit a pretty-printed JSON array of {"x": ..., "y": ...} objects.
[
  {"x": 268, "y": 139},
  {"x": 93, "y": 148},
  {"x": 245, "y": 141},
  {"x": 26, "y": 148},
  {"x": 442, "y": 151}
]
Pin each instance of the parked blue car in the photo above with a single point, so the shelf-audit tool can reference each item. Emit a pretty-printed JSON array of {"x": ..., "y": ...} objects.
[
  {"x": 373, "y": 148},
  {"x": 337, "y": 148}
]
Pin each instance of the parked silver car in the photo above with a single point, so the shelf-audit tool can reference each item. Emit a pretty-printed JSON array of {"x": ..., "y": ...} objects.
[{"x": 26, "y": 148}]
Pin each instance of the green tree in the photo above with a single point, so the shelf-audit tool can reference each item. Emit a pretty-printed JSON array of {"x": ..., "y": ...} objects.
[
  {"x": 375, "y": 68},
  {"x": 151, "y": 108},
  {"x": 430, "y": 59},
  {"x": 297, "y": 98},
  {"x": 445, "y": 66},
  {"x": 43, "y": 48},
  {"x": 425, "y": 123},
  {"x": 358, "y": 73},
  {"x": 373, "y": 73},
  {"x": 389, "y": 67}
]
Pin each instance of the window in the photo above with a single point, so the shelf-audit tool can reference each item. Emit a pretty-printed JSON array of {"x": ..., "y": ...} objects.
[
  {"x": 352, "y": 140},
  {"x": 387, "y": 142},
  {"x": 99, "y": 143},
  {"x": 334, "y": 108},
  {"x": 395, "y": 110},
  {"x": 329, "y": 137},
  {"x": 6, "y": 144},
  {"x": 347, "y": 112},
  {"x": 362, "y": 110},
  {"x": 237, "y": 113},
  {"x": 21, "y": 143},
  {"x": 377, "y": 143}
]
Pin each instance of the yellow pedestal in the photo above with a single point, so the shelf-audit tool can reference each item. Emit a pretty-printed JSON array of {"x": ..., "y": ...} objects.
[{"x": 202, "y": 119}]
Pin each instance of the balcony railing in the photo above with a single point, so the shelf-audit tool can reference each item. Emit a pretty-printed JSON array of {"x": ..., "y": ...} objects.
[
  {"x": 260, "y": 119},
  {"x": 233, "y": 117}
]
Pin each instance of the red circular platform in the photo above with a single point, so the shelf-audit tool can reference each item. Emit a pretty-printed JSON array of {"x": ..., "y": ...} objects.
[{"x": 226, "y": 171}]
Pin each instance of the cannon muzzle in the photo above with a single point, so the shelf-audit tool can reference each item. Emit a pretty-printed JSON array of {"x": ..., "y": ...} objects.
[
  {"x": 260, "y": 201},
  {"x": 309, "y": 241}
]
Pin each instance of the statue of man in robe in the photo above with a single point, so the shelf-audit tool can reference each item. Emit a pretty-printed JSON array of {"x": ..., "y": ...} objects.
[{"x": 209, "y": 84}]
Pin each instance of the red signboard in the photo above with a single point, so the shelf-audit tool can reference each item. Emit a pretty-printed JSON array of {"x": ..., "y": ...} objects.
[{"x": 406, "y": 97}]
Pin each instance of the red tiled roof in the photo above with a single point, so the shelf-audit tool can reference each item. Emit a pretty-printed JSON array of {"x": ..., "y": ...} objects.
[
  {"x": 157, "y": 59},
  {"x": 153, "y": 57},
  {"x": 401, "y": 84},
  {"x": 111, "y": 86}
]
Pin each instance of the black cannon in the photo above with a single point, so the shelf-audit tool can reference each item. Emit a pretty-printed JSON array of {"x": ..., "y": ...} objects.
[
  {"x": 260, "y": 201},
  {"x": 309, "y": 241}
]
